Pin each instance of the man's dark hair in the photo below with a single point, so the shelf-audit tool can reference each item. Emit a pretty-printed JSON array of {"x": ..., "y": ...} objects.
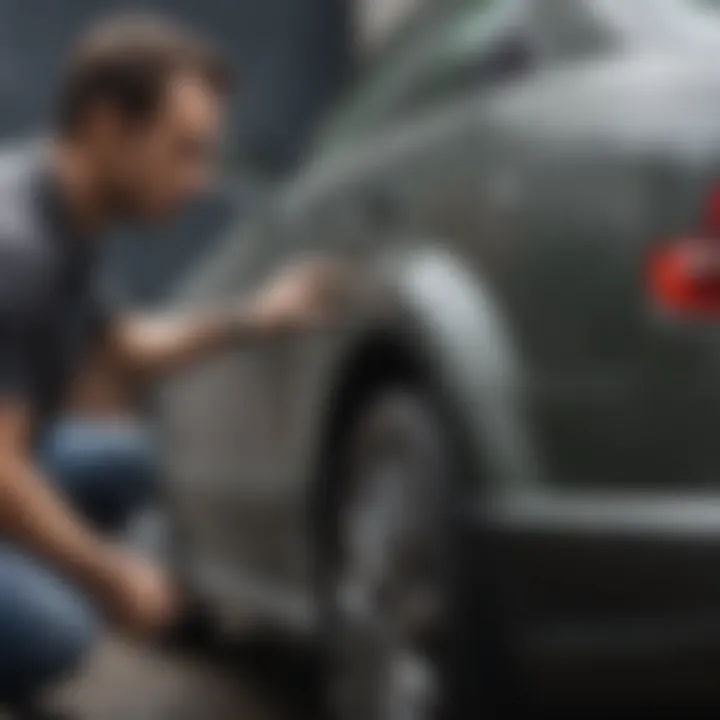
[{"x": 127, "y": 62}]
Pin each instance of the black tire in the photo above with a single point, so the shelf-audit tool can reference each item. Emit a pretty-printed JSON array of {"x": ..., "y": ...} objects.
[
  {"x": 197, "y": 631},
  {"x": 387, "y": 592}
]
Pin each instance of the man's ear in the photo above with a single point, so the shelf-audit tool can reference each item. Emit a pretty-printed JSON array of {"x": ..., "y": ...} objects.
[
  {"x": 103, "y": 125},
  {"x": 14, "y": 425}
]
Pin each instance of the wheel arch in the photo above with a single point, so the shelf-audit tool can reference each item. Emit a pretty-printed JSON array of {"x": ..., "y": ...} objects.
[{"x": 444, "y": 335}]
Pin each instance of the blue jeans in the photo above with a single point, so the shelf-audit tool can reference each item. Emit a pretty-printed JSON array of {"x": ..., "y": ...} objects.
[{"x": 107, "y": 472}]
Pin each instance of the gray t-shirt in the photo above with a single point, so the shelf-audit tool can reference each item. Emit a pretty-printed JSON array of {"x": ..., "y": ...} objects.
[{"x": 51, "y": 313}]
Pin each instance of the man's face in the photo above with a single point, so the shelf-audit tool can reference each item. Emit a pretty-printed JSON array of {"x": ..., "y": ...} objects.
[{"x": 153, "y": 169}]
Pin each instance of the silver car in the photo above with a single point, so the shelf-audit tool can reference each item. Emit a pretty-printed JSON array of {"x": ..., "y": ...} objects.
[{"x": 496, "y": 482}]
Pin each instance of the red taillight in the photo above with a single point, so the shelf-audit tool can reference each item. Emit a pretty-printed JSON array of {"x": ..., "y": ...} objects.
[{"x": 684, "y": 274}]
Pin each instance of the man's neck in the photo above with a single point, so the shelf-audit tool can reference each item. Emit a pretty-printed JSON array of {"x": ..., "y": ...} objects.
[{"x": 78, "y": 186}]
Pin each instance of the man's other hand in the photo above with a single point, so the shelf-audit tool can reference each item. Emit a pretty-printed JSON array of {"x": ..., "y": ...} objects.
[{"x": 140, "y": 598}]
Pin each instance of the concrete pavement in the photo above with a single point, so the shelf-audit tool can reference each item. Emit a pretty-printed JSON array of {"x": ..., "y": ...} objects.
[{"x": 123, "y": 682}]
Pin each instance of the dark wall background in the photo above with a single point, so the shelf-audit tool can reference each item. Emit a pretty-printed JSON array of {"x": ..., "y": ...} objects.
[{"x": 292, "y": 57}]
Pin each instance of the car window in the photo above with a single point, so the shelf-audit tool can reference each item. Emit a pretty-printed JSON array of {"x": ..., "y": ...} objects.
[{"x": 435, "y": 59}]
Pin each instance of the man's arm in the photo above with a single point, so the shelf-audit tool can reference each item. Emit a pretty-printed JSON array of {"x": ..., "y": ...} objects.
[
  {"x": 297, "y": 299},
  {"x": 35, "y": 517},
  {"x": 162, "y": 343},
  {"x": 32, "y": 515}
]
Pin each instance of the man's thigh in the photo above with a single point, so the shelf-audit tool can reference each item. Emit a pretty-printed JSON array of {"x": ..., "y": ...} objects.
[
  {"x": 107, "y": 469},
  {"x": 46, "y": 626}
]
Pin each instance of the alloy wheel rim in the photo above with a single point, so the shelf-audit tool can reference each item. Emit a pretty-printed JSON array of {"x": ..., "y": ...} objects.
[{"x": 387, "y": 607}]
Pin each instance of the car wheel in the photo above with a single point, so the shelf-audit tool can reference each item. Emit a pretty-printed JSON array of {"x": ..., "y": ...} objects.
[
  {"x": 197, "y": 631},
  {"x": 388, "y": 595}
]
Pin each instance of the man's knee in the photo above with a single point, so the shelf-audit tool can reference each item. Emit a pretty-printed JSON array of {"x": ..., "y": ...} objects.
[
  {"x": 46, "y": 628},
  {"x": 108, "y": 469}
]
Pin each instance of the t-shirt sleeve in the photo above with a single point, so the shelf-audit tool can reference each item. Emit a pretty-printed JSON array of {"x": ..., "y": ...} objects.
[
  {"x": 18, "y": 311},
  {"x": 15, "y": 366}
]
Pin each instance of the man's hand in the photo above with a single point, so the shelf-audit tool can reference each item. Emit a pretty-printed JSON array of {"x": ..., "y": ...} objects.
[
  {"x": 302, "y": 297},
  {"x": 139, "y": 597},
  {"x": 307, "y": 295}
]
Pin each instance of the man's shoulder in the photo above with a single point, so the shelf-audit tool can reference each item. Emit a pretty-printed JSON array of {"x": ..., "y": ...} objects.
[{"x": 24, "y": 260}]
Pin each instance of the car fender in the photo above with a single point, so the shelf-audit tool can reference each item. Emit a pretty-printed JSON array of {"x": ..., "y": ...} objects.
[{"x": 459, "y": 329}]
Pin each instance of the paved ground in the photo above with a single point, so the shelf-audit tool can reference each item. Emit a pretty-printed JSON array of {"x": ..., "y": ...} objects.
[
  {"x": 126, "y": 683},
  {"x": 260, "y": 679}
]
